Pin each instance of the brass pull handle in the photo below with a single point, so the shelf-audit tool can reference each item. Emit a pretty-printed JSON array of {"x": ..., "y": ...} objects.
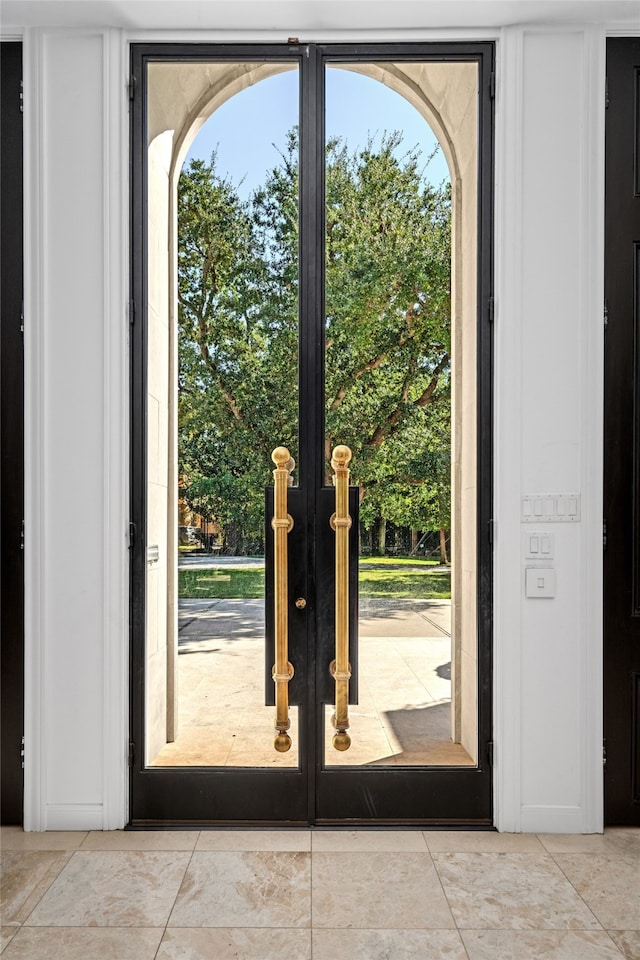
[
  {"x": 281, "y": 524},
  {"x": 340, "y": 668}
]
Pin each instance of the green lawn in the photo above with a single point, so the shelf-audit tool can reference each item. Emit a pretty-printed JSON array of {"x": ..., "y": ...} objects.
[
  {"x": 221, "y": 584},
  {"x": 401, "y": 584},
  {"x": 397, "y": 562},
  {"x": 416, "y": 581}
]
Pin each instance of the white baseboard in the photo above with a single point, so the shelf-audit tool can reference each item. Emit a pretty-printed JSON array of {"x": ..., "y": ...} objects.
[
  {"x": 548, "y": 819},
  {"x": 74, "y": 816}
]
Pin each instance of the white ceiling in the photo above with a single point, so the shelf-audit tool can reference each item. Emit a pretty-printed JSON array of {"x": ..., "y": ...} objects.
[{"x": 294, "y": 17}]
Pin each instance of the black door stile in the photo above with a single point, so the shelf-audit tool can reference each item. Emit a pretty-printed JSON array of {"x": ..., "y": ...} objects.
[
  {"x": 12, "y": 432},
  {"x": 313, "y": 793},
  {"x": 622, "y": 435},
  {"x": 311, "y": 349}
]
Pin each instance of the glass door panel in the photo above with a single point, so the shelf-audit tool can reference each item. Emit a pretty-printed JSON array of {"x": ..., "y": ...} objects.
[
  {"x": 400, "y": 307},
  {"x": 222, "y": 394}
]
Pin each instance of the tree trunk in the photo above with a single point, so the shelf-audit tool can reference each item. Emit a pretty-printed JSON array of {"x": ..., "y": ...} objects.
[
  {"x": 443, "y": 545},
  {"x": 382, "y": 536},
  {"x": 414, "y": 541}
]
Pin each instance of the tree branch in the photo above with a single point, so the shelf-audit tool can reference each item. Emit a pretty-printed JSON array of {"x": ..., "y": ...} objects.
[
  {"x": 427, "y": 395},
  {"x": 213, "y": 368},
  {"x": 410, "y": 316},
  {"x": 396, "y": 415}
]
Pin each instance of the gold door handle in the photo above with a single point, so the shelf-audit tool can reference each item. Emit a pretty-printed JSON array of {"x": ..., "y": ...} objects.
[
  {"x": 340, "y": 668},
  {"x": 281, "y": 524}
]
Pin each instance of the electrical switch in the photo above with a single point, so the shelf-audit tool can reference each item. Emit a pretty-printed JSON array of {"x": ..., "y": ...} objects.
[
  {"x": 538, "y": 546},
  {"x": 550, "y": 508},
  {"x": 540, "y": 582}
]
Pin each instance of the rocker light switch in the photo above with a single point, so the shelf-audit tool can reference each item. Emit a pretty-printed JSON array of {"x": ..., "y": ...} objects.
[
  {"x": 540, "y": 582},
  {"x": 538, "y": 545},
  {"x": 550, "y": 508}
]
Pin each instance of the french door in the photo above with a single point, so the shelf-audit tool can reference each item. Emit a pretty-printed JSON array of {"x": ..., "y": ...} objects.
[{"x": 311, "y": 380}]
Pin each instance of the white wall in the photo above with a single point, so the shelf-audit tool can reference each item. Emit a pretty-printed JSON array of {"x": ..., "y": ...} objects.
[
  {"x": 549, "y": 192},
  {"x": 548, "y": 400},
  {"x": 76, "y": 428}
]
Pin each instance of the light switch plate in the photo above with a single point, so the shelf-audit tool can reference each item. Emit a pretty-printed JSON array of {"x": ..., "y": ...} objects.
[
  {"x": 540, "y": 582},
  {"x": 550, "y": 508},
  {"x": 539, "y": 545}
]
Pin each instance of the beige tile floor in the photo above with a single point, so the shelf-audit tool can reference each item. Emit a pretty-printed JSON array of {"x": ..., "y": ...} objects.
[
  {"x": 403, "y": 713},
  {"x": 326, "y": 895}
]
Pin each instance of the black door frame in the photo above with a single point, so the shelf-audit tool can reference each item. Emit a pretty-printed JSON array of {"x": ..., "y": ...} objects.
[
  {"x": 621, "y": 594},
  {"x": 312, "y": 794},
  {"x": 12, "y": 433}
]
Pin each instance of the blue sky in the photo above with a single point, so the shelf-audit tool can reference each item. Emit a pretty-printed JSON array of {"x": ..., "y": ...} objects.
[{"x": 245, "y": 128}]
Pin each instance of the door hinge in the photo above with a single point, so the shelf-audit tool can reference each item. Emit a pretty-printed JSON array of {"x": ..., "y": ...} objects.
[
  {"x": 492, "y": 85},
  {"x": 606, "y": 93},
  {"x": 132, "y": 312},
  {"x": 491, "y": 310},
  {"x": 132, "y": 87},
  {"x": 604, "y": 534},
  {"x": 132, "y": 534},
  {"x": 604, "y": 753},
  {"x": 605, "y": 314},
  {"x": 132, "y": 753},
  {"x": 22, "y": 535},
  {"x": 491, "y": 753},
  {"x": 21, "y": 97},
  {"x": 22, "y": 753},
  {"x": 490, "y": 531},
  {"x": 22, "y": 318}
]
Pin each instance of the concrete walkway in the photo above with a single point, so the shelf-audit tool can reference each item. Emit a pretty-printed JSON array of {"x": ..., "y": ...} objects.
[{"x": 403, "y": 714}]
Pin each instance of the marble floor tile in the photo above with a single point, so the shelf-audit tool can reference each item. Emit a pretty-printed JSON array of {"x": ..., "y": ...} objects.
[
  {"x": 372, "y": 840},
  {"x": 109, "y": 888},
  {"x": 254, "y": 840},
  {"x": 82, "y": 943},
  {"x": 245, "y": 889},
  {"x": 519, "y": 891},
  {"x": 370, "y": 890},
  {"x": 479, "y": 841},
  {"x": 610, "y": 886},
  {"x": 539, "y": 945},
  {"x": 386, "y": 944},
  {"x": 14, "y": 838},
  {"x": 141, "y": 840},
  {"x": 7, "y": 933},
  {"x": 25, "y": 878},
  {"x": 628, "y": 942},
  {"x": 235, "y": 944},
  {"x": 615, "y": 841}
]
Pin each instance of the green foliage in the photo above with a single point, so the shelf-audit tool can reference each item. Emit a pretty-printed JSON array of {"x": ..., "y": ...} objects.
[{"x": 387, "y": 333}]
